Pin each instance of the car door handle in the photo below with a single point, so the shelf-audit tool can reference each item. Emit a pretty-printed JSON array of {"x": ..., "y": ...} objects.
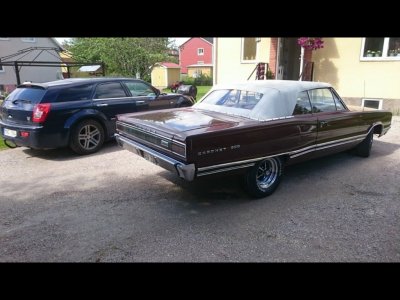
[
  {"x": 323, "y": 123},
  {"x": 102, "y": 104},
  {"x": 140, "y": 101}
]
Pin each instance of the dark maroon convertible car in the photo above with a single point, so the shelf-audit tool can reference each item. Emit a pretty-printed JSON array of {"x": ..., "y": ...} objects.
[{"x": 256, "y": 127}]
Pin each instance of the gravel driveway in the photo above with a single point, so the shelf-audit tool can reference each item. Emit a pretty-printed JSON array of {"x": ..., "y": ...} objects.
[{"x": 114, "y": 206}]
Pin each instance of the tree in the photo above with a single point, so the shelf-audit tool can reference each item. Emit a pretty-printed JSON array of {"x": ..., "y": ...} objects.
[{"x": 122, "y": 56}]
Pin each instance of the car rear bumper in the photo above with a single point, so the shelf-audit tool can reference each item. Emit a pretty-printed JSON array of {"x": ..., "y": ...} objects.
[
  {"x": 37, "y": 138},
  {"x": 185, "y": 171}
]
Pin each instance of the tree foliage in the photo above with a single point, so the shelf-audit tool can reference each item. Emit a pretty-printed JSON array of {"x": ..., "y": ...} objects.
[{"x": 122, "y": 56}]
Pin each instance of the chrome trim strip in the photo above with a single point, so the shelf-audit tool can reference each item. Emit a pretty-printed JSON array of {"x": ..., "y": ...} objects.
[
  {"x": 20, "y": 126},
  {"x": 274, "y": 119},
  {"x": 233, "y": 163},
  {"x": 292, "y": 154},
  {"x": 225, "y": 169}
]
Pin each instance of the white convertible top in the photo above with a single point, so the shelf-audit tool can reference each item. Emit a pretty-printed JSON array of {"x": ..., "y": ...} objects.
[{"x": 279, "y": 97}]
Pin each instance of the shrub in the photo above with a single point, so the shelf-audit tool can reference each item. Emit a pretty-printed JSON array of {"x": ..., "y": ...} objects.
[{"x": 203, "y": 79}]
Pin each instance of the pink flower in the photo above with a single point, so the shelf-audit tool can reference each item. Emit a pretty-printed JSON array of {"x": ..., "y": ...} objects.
[{"x": 311, "y": 43}]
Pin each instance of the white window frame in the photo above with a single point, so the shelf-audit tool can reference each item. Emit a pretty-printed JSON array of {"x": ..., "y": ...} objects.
[
  {"x": 384, "y": 56},
  {"x": 200, "y": 51},
  {"x": 28, "y": 40},
  {"x": 372, "y": 99},
  {"x": 243, "y": 61}
]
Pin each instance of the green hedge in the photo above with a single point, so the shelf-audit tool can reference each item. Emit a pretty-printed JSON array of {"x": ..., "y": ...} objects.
[{"x": 202, "y": 80}]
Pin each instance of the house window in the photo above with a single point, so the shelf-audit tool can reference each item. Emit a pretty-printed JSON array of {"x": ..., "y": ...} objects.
[
  {"x": 28, "y": 40},
  {"x": 249, "y": 49},
  {"x": 381, "y": 48},
  {"x": 200, "y": 51},
  {"x": 372, "y": 103}
]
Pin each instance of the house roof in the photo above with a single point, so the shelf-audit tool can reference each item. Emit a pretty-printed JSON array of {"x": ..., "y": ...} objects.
[
  {"x": 57, "y": 44},
  {"x": 169, "y": 65},
  {"x": 208, "y": 40}
]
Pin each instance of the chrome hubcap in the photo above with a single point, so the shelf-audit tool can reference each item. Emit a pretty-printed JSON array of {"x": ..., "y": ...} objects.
[
  {"x": 89, "y": 137},
  {"x": 267, "y": 173}
]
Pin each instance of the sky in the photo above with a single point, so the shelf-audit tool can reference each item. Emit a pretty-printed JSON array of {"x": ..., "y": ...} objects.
[{"x": 178, "y": 41}]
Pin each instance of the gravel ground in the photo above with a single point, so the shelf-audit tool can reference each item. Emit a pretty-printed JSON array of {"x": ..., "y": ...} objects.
[{"x": 116, "y": 207}]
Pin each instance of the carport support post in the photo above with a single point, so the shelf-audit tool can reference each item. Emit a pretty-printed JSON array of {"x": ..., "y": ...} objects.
[
  {"x": 17, "y": 72},
  {"x": 69, "y": 72},
  {"x": 103, "y": 68}
]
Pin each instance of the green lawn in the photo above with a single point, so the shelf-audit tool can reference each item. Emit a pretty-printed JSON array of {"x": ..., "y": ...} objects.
[
  {"x": 202, "y": 90},
  {"x": 2, "y": 146}
]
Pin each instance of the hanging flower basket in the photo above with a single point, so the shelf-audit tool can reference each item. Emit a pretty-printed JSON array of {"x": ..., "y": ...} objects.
[{"x": 311, "y": 43}]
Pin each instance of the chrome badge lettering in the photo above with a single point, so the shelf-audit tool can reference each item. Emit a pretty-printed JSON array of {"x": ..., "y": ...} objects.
[{"x": 217, "y": 150}]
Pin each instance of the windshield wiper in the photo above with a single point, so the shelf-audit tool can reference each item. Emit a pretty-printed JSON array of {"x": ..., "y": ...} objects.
[{"x": 21, "y": 100}]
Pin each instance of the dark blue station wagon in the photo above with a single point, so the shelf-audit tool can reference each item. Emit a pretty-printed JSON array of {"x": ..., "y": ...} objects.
[{"x": 78, "y": 112}]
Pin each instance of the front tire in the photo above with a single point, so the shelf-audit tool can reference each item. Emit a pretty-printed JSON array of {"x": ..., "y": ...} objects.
[
  {"x": 87, "y": 137},
  {"x": 364, "y": 148},
  {"x": 263, "y": 178}
]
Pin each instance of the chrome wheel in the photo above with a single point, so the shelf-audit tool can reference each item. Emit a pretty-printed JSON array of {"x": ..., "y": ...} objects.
[
  {"x": 89, "y": 137},
  {"x": 262, "y": 179},
  {"x": 267, "y": 173}
]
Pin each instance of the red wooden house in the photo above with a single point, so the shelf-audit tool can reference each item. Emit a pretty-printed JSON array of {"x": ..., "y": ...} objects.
[{"x": 195, "y": 56}]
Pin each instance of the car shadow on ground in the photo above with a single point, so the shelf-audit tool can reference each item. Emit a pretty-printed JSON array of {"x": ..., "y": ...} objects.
[
  {"x": 231, "y": 187},
  {"x": 63, "y": 154}
]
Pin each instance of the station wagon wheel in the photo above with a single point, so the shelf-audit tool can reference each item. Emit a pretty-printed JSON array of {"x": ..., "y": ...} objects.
[
  {"x": 262, "y": 179},
  {"x": 364, "y": 148},
  {"x": 87, "y": 137}
]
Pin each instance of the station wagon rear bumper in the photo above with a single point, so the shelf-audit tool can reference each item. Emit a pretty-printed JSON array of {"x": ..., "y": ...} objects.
[{"x": 184, "y": 171}]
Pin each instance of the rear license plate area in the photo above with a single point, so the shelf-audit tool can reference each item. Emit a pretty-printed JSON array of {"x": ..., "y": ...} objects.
[{"x": 10, "y": 133}]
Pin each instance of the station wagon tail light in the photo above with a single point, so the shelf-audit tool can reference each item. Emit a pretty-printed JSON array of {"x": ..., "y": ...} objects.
[{"x": 40, "y": 112}]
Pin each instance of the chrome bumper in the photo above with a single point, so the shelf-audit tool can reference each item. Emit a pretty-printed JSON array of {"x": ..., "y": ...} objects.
[{"x": 186, "y": 172}]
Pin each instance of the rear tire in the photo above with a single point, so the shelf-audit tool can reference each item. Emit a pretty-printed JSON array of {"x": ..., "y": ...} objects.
[
  {"x": 364, "y": 148},
  {"x": 87, "y": 137},
  {"x": 263, "y": 178}
]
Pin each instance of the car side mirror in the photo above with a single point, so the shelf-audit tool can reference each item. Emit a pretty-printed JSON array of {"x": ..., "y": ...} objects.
[{"x": 157, "y": 92}]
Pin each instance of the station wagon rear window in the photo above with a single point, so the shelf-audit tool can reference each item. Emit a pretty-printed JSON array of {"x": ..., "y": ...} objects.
[{"x": 31, "y": 95}]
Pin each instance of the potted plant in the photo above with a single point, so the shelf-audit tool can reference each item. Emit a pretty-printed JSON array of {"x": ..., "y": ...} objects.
[
  {"x": 370, "y": 53},
  {"x": 378, "y": 53},
  {"x": 392, "y": 53}
]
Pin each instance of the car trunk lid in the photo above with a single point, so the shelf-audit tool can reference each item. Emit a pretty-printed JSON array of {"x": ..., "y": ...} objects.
[{"x": 180, "y": 121}]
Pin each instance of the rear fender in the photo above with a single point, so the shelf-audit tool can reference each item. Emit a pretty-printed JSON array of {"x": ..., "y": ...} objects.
[{"x": 87, "y": 114}]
